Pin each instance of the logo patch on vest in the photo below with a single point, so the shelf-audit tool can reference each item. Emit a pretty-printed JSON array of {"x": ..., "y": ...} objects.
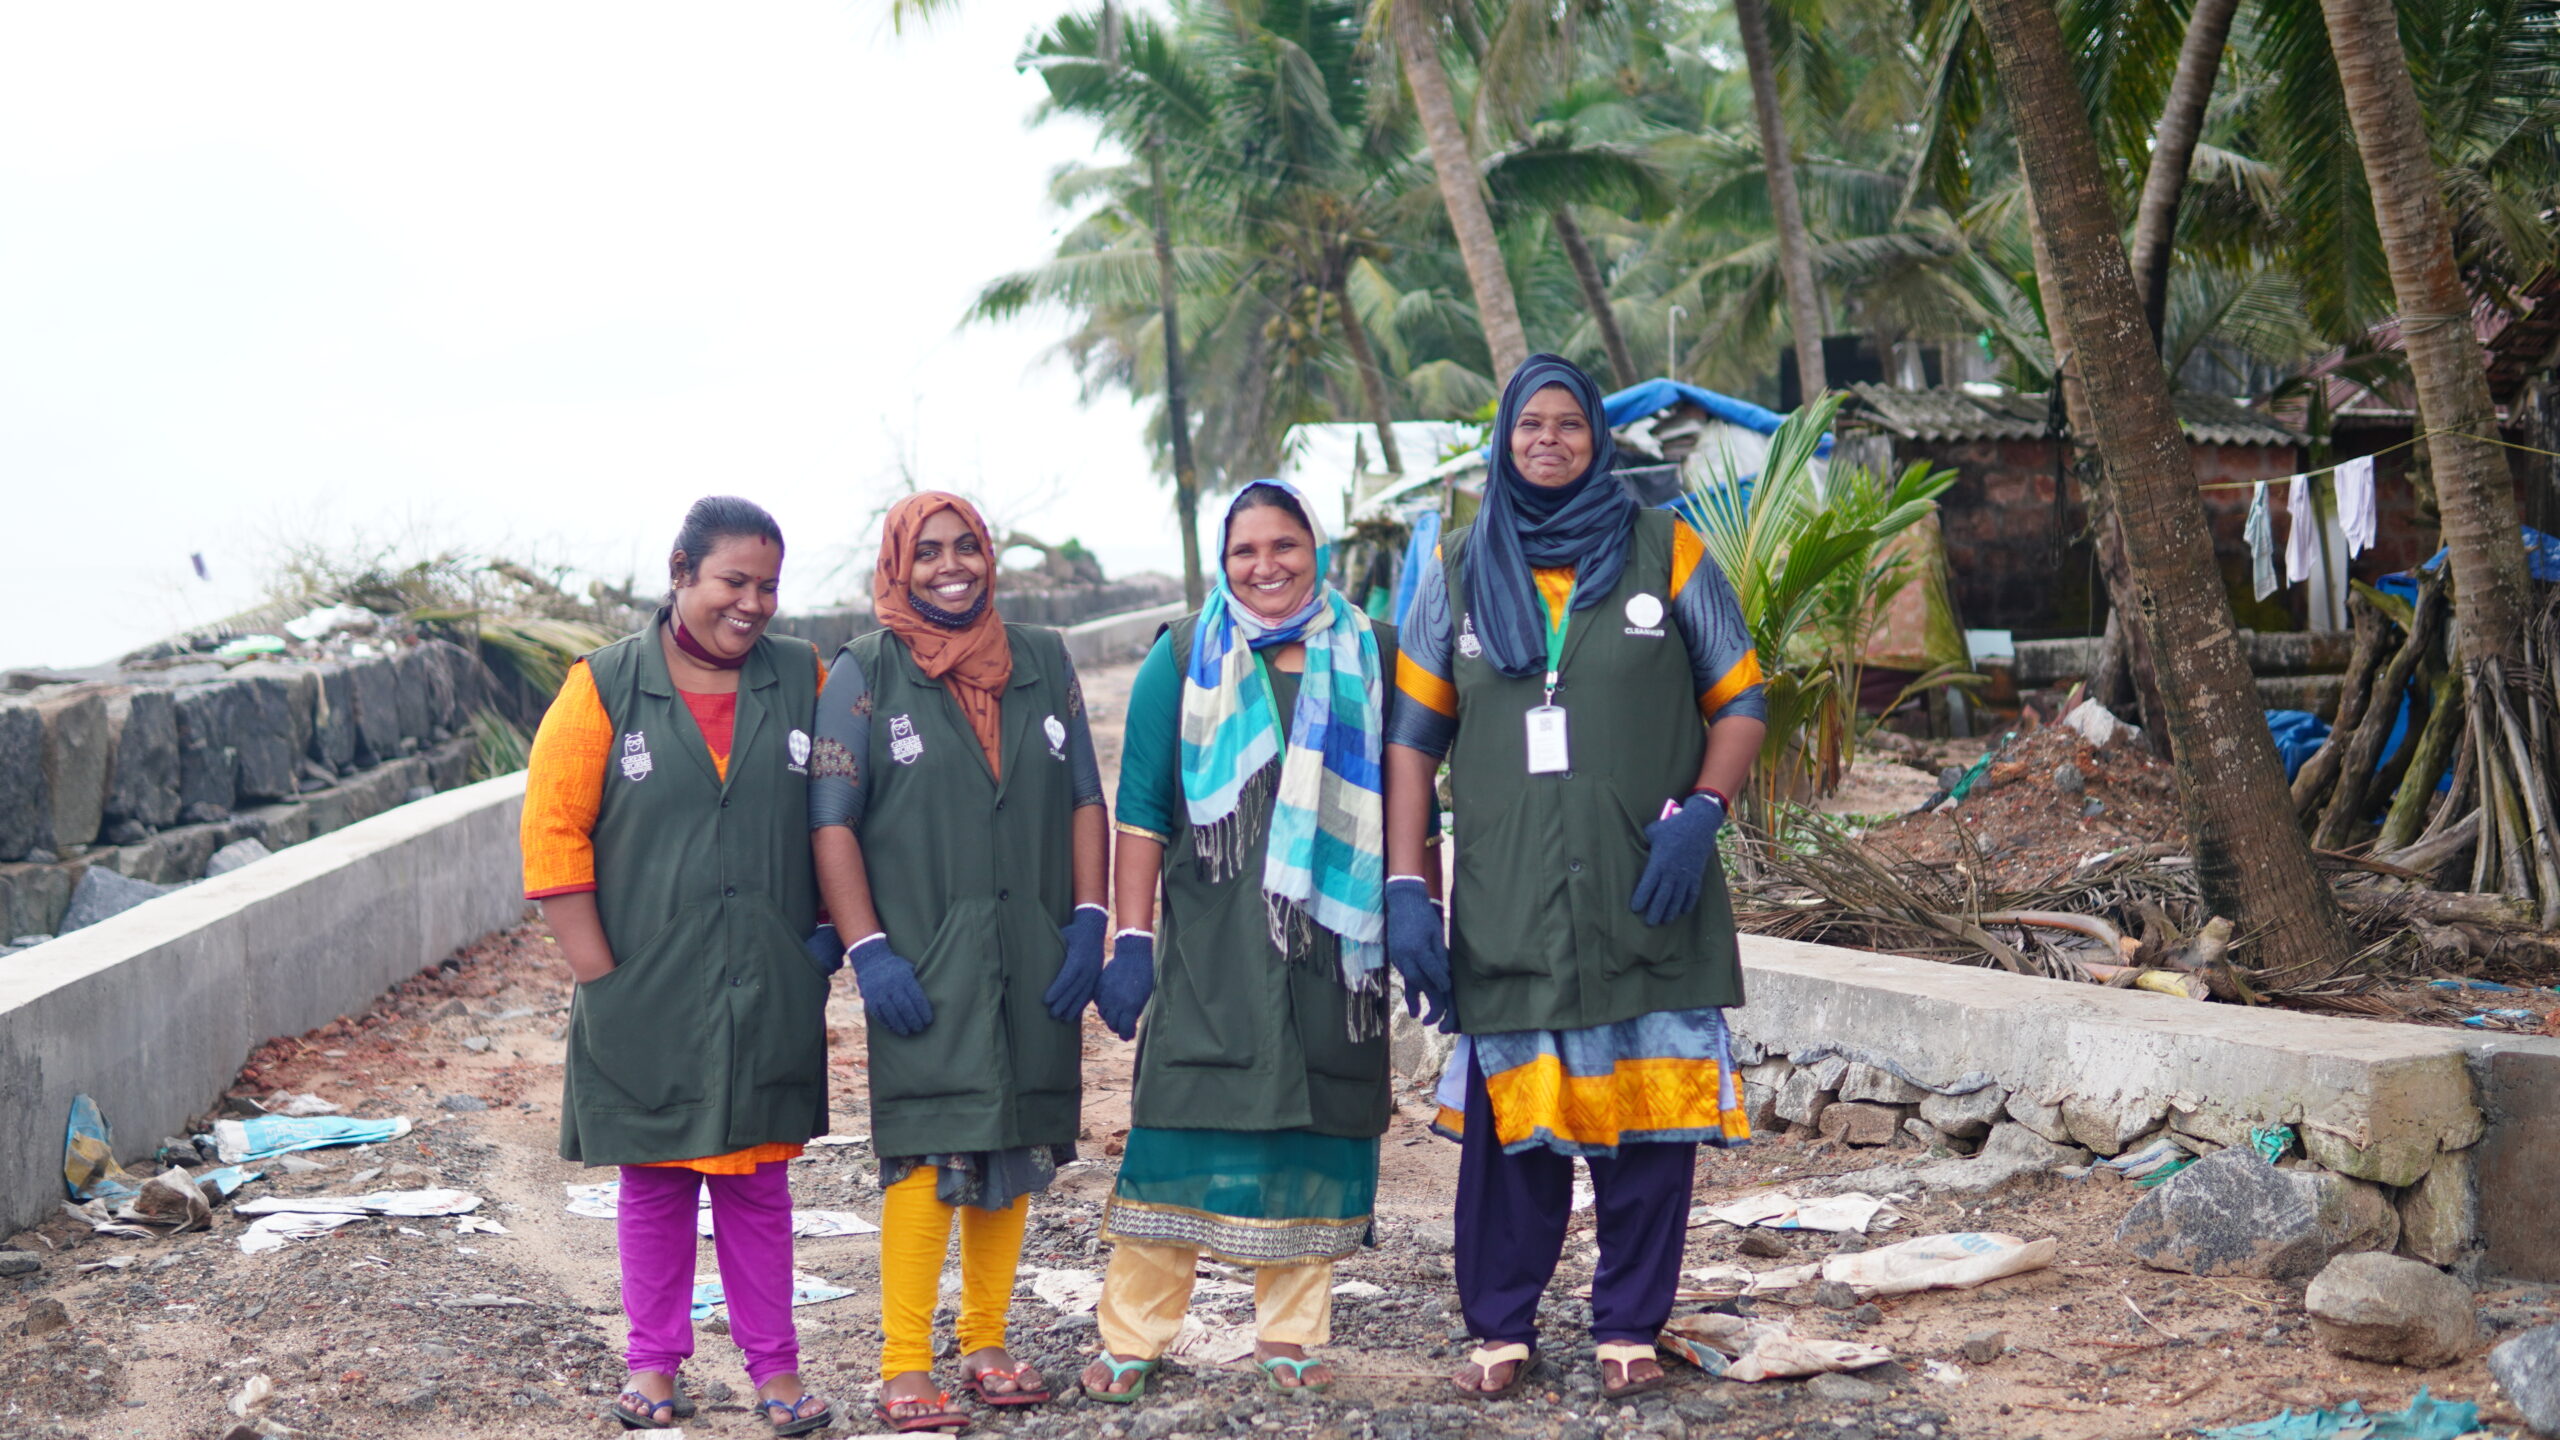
[
  {"x": 798, "y": 744},
  {"x": 1468, "y": 644},
  {"x": 1056, "y": 730},
  {"x": 636, "y": 763},
  {"x": 1644, "y": 615},
  {"x": 905, "y": 745}
]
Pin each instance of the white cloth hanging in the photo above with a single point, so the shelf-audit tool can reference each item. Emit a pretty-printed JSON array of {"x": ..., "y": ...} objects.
[
  {"x": 2261, "y": 535},
  {"x": 2301, "y": 532},
  {"x": 2355, "y": 503}
]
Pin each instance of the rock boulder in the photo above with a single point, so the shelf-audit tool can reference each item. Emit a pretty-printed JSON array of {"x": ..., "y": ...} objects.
[
  {"x": 76, "y": 760},
  {"x": 2392, "y": 1309},
  {"x": 208, "y": 764},
  {"x": 2527, "y": 1368},
  {"x": 142, "y": 784},
  {"x": 2232, "y": 1213},
  {"x": 1965, "y": 1116},
  {"x": 102, "y": 893},
  {"x": 26, "y": 806}
]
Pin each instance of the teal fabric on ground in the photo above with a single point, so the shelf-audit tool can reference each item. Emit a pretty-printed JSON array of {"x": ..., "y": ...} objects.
[
  {"x": 2426, "y": 1418},
  {"x": 1250, "y": 1197}
]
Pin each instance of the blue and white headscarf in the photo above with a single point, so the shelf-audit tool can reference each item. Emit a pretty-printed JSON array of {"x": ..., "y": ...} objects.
[{"x": 1326, "y": 862}]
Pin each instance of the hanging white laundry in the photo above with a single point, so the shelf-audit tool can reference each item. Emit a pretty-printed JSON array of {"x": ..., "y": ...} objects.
[
  {"x": 2261, "y": 535},
  {"x": 2301, "y": 532},
  {"x": 2355, "y": 503}
]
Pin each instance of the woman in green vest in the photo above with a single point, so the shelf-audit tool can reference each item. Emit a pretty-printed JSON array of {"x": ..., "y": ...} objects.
[
  {"x": 1585, "y": 670},
  {"x": 961, "y": 845},
  {"x": 1250, "y": 794},
  {"x": 666, "y": 833}
]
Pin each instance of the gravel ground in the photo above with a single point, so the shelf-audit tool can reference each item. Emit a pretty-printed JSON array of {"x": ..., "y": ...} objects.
[{"x": 404, "y": 1330}]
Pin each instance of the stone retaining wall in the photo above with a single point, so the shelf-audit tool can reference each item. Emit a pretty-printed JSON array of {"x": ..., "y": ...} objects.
[
  {"x": 1060, "y": 608},
  {"x": 151, "y": 772}
]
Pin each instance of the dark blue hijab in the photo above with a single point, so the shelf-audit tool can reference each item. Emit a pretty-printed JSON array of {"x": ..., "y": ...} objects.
[{"x": 1584, "y": 524}]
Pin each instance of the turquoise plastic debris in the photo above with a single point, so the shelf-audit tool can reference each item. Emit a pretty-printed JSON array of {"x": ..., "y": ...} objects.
[
  {"x": 89, "y": 1168},
  {"x": 263, "y": 1137},
  {"x": 2491, "y": 986},
  {"x": 2425, "y": 1419},
  {"x": 1974, "y": 771},
  {"x": 2272, "y": 1142},
  {"x": 805, "y": 1290}
]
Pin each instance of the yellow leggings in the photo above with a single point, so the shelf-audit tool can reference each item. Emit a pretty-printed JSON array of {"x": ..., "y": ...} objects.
[{"x": 915, "y": 1237}]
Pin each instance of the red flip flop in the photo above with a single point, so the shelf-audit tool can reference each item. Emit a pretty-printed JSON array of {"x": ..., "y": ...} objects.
[
  {"x": 1006, "y": 1399},
  {"x": 942, "y": 1417}
]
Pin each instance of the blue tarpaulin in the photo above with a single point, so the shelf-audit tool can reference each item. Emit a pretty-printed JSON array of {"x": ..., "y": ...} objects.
[
  {"x": 1651, "y": 396},
  {"x": 2298, "y": 735},
  {"x": 2541, "y": 556}
]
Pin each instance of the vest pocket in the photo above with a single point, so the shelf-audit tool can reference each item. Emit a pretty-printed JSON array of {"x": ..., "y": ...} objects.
[
  {"x": 1203, "y": 1013},
  {"x": 1634, "y": 945},
  {"x": 960, "y": 1053},
  {"x": 1509, "y": 897},
  {"x": 639, "y": 1027},
  {"x": 782, "y": 1036}
]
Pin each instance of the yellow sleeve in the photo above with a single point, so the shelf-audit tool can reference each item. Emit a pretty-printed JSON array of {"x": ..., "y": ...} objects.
[{"x": 564, "y": 789}]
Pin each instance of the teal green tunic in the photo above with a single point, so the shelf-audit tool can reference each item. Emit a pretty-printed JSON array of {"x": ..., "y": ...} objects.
[{"x": 709, "y": 1034}]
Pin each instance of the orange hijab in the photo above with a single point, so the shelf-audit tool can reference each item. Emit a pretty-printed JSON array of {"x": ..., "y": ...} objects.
[{"x": 974, "y": 662}]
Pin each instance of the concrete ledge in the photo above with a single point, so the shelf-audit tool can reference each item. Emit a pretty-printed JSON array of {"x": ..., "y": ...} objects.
[
  {"x": 2374, "y": 1100},
  {"x": 151, "y": 1012},
  {"x": 1116, "y": 639}
]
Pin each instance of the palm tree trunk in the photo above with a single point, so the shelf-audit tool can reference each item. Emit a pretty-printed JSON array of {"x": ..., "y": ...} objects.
[
  {"x": 1795, "y": 246},
  {"x": 2473, "y": 490},
  {"x": 1373, "y": 384},
  {"x": 1595, "y": 295},
  {"x": 2251, "y": 860},
  {"x": 1460, "y": 187},
  {"x": 2173, "y": 152},
  {"x": 1186, "y": 480}
]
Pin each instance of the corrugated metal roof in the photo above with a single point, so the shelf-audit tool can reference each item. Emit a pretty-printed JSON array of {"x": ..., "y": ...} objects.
[{"x": 1952, "y": 413}]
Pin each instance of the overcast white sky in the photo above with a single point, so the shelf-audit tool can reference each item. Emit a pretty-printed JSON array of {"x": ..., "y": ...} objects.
[{"x": 519, "y": 276}]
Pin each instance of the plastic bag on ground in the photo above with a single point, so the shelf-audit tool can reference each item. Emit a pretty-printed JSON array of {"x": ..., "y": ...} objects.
[
  {"x": 2425, "y": 1419},
  {"x": 1210, "y": 1342},
  {"x": 380, "y": 1202},
  {"x": 1778, "y": 1210},
  {"x": 1761, "y": 1349},
  {"x": 1939, "y": 1262},
  {"x": 1069, "y": 1292},
  {"x": 263, "y": 1137},
  {"x": 89, "y": 1168},
  {"x": 806, "y": 1289},
  {"x": 270, "y": 1232}
]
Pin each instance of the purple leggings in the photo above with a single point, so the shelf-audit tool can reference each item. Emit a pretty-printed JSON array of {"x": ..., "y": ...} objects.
[{"x": 751, "y": 1232}]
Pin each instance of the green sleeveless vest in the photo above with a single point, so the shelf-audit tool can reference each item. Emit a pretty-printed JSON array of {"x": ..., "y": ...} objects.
[
  {"x": 973, "y": 881},
  {"x": 1236, "y": 1037},
  {"x": 1540, "y": 934},
  {"x": 709, "y": 1034}
]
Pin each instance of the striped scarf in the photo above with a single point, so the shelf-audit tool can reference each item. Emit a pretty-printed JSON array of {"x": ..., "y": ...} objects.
[{"x": 1326, "y": 862}]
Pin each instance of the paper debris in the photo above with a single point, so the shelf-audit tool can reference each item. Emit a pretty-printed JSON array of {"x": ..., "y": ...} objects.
[
  {"x": 830, "y": 1140},
  {"x": 166, "y": 1204},
  {"x": 806, "y": 1289},
  {"x": 1778, "y": 1210},
  {"x": 1210, "y": 1342},
  {"x": 286, "y": 1102},
  {"x": 1932, "y": 1262},
  {"x": 1944, "y": 1372},
  {"x": 479, "y": 1225},
  {"x": 1359, "y": 1290},
  {"x": 112, "y": 1262},
  {"x": 252, "y": 1397},
  {"x": 407, "y": 1203},
  {"x": 486, "y": 1300},
  {"x": 270, "y": 1232},
  {"x": 1069, "y": 1292},
  {"x": 1762, "y": 1349},
  {"x": 1723, "y": 1282}
]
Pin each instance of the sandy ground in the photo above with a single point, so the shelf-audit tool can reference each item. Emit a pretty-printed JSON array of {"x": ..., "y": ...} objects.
[{"x": 406, "y": 1330}]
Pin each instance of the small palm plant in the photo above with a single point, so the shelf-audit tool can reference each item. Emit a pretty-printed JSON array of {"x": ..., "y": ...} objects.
[{"x": 1806, "y": 548}]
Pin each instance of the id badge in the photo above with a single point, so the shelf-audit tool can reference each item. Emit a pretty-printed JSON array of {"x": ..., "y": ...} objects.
[{"x": 1548, "y": 754}]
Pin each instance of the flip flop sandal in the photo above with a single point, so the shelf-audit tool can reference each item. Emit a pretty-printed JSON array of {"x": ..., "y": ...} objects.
[
  {"x": 1624, "y": 1354},
  {"x": 975, "y": 1384},
  {"x": 645, "y": 1418},
  {"x": 791, "y": 1421},
  {"x": 1522, "y": 1360},
  {"x": 1298, "y": 1367},
  {"x": 1144, "y": 1369},
  {"x": 941, "y": 1417}
]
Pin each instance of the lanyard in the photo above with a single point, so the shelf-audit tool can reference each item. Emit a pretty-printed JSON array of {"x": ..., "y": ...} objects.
[{"x": 1556, "y": 626}]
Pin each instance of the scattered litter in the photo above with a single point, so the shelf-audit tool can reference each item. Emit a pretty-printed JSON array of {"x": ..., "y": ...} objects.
[
  {"x": 806, "y": 1289},
  {"x": 112, "y": 1262},
  {"x": 2098, "y": 726},
  {"x": 252, "y": 645},
  {"x": 1939, "y": 1262},
  {"x": 1778, "y": 1210},
  {"x": 263, "y": 1137},
  {"x": 2153, "y": 1164},
  {"x": 830, "y": 1140},
  {"x": 2272, "y": 1142},
  {"x": 603, "y": 1201},
  {"x": 252, "y": 1397},
  {"x": 1210, "y": 1342},
  {"x": 1944, "y": 1372},
  {"x": 1069, "y": 1292},
  {"x": 1723, "y": 1282},
  {"x": 166, "y": 1204},
  {"x": 1359, "y": 1290},
  {"x": 2425, "y": 1419},
  {"x": 2492, "y": 986},
  {"x": 485, "y": 1300},
  {"x": 270, "y": 1232},
  {"x": 478, "y": 1225},
  {"x": 2527, "y": 1020},
  {"x": 226, "y": 1179},
  {"x": 408, "y": 1203},
  {"x": 301, "y": 1107},
  {"x": 316, "y": 624},
  {"x": 89, "y": 1168},
  {"x": 1761, "y": 1349}
]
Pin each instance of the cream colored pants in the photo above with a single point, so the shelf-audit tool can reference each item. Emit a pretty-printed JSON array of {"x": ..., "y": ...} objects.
[{"x": 1148, "y": 1287}]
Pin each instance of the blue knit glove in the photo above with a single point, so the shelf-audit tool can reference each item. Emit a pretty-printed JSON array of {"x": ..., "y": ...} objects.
[
  {"x": 826, "y": 951},
  {"x": 1418, "y": 947},
  {"x": 1684, "y": 845},
  {"x": 889, "y": 987},
  {"x": 1082, "y": 969},
  {"x": 1127, "y": 982}
]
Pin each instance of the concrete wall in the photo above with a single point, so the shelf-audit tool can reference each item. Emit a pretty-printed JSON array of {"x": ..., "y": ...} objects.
[
  {"x": 1117, "y": 639},
  {"x": 1067, "y": 607},
  {"x": 152, "y": 1012}
]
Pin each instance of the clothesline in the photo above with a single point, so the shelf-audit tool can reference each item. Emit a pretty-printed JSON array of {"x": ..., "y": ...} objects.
[{"x": 2385, "y": 450}]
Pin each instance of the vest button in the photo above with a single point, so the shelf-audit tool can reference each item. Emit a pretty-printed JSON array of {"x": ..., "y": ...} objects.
[
  {"x": 737, "y": 980},
  {"x": 731, "y": 891},
  {"x": 1574, "y": 865},
  {"x": 999, "y": 805},
  {"x": 1004, "y": 894},
  {"x": 724, "y": 802}
]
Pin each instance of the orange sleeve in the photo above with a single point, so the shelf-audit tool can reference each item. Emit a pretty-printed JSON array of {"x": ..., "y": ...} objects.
[
  {"x": 564, "y": 788},
  {"x": 1687, "y": 549}
]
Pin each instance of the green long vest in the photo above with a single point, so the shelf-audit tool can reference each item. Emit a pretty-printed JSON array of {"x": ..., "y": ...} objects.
[
  {"x": 1236, "y": 1037},
  {"x": 709, "y": 1034},
  {"x": 1540, "y": 936},
  {"x": 973, "y": 880}
]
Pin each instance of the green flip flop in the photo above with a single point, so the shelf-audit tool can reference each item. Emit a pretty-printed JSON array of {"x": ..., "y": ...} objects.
[
  {"x": 1145, "y": 1370},
  {"x": 1298, "y": 1367}
]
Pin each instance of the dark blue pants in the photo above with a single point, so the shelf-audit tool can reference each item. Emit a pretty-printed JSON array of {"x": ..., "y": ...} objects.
[{"x": 1512, "y": 1213}]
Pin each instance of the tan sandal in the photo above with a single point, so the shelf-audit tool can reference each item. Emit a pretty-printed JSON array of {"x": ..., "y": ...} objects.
[
  {"x": 1522, "y": 1360},
  {"x": 1624, "y": 1354}
]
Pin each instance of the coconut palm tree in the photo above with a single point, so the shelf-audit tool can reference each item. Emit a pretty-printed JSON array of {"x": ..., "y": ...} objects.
[{"x": 1414, "y": 27}]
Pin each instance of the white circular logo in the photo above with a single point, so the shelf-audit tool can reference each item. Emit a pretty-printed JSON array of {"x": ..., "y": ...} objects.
[
  {"x": 799, "y": 741},
  {"x": 1056, "y": 730},
  {"x": 1644, "y": 612}
]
